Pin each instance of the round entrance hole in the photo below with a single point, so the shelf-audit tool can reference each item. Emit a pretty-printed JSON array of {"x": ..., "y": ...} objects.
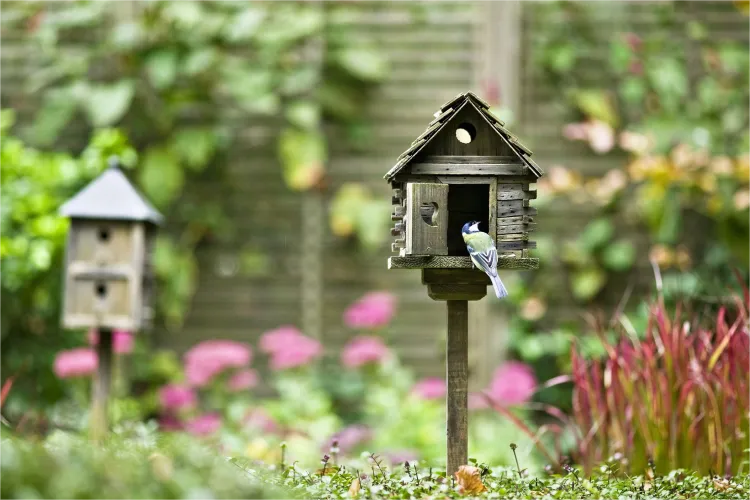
[
  {"x": 101, "y": 290},
  {"x": 428, "y": 212},
  {"x": 104, "y": 234},
  {"x": 465, "y": 133}
]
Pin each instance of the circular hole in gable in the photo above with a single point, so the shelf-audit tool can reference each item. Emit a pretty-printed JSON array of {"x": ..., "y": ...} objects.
[
  {"x": 428, "y": 212},
  {"x": 465, "y": 133}
]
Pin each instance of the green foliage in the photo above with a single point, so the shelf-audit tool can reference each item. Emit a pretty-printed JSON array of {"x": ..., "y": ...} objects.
[
  {"x": 33, "y": 185},
  {"x": 142, "y": 464},
  {"x": 173, "y": 76}
]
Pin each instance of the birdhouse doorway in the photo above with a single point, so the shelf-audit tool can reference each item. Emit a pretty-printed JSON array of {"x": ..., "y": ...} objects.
[{"x": 467, "y": 202}]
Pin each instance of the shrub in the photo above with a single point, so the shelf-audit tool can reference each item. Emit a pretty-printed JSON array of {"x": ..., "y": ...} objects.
[{"x": 676, "y": 399}]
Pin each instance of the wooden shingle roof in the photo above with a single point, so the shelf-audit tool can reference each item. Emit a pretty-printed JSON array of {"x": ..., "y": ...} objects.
[{"x": 445, "y": 114}]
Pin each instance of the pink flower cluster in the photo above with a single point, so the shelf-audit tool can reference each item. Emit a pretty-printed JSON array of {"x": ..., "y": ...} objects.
[
  {"x": 599, "y": 135},
  {"x": 243, "y": 379},
  {"x": 429, "y": 388},
  {"x": 80, "y": 362},
  {"x": 363, "y": 350},
  {"x": 204, "y": 425},
  {"x": 177, "y": 397},
  {"x": 289, "y": 348},
  {"x": 372, "y": 311},
  {"x": 210, "y": 358},
  {"x": 348, "y": 438},
  {"x": 260, "y": 419},
  {"x": 512, "y": 384}
]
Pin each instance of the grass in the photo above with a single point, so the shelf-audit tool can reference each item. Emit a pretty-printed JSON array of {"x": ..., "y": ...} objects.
[{"x": 151, "y": 465}]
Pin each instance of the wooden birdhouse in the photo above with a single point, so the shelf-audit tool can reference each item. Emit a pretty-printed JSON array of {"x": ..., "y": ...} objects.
[
  {"x": 109, "y": 279},
  {"x": 466, "y": 166}
]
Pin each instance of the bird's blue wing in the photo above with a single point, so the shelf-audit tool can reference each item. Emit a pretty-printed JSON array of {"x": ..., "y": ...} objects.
[{"x": 487, "y": 260}]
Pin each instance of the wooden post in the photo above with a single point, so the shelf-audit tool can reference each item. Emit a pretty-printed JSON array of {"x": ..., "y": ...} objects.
[
  {"x": 102, "y": 384},
  {"x": 457, "y": 374}
]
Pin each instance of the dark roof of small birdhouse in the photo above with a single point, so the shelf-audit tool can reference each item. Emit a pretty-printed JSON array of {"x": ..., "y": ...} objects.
[
  {"x": 110, "y": 196},
  {"x": 445, "y": 114}
]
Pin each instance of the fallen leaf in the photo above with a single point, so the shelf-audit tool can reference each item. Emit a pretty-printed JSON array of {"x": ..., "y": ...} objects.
[
  {"x": 469, "y": 480},
  {"x": 721, "y": 484},
  {"x": 354, "y": 488}
]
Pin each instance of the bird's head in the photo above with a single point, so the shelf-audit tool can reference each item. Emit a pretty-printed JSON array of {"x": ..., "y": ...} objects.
[{"x": 470, "y": 227}]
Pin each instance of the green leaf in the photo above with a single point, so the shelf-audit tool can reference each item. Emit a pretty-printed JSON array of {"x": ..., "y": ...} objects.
[
  {"x": 304, "y": 114},
  {"x": 619, "y": 256},
  {"x": 669, "y": 79},
  {"x": 372, "y": 223},
  {"x": 194, "y": 146},
  {"x": 363, "y": 63},
  {"x": 302, "y": 154},
  {"x": 587, "y": 283},
  {"x": 57, "y": 109},
  {"x": 596, "y": 104},
  {"x": 161, "y": 68},
  {"x": 199, "y": 61},
  {"x": 671, "y": 217},
  {"x": 245, "y": 24},
  {"x": 733, "y": 58},
  {"x": 562, "y": 58},
  {"x": 106, "y": 104},
  {"x": 344, "y": 208},
  {"x": 633, "y": 90},
  {"x": 161, "y": 177},
  {"x": 620, "y": 55},
  {"x": 596, "y": 234}
]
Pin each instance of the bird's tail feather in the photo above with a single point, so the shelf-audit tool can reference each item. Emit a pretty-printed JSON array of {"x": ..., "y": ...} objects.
[{"x": 500, "y": 290}]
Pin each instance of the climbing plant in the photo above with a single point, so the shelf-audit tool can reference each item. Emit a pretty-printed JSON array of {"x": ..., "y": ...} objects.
[
  {"x": 670, "y": 104},
  {"x": 176, "y": 77}
]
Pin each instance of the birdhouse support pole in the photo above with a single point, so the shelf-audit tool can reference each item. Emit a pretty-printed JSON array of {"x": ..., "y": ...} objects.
[
  {"x": 457, "y": 375},
  {"x": 102, "y": 386}
]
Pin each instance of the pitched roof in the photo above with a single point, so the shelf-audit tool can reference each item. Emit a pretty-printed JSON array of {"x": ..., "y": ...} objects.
[
  {"x": 445, "y": 114},
  {"x": 110, "y": 196}
]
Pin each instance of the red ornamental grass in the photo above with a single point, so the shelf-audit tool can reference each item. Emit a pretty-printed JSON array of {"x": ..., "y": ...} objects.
[{"x": 680, "y": 397}]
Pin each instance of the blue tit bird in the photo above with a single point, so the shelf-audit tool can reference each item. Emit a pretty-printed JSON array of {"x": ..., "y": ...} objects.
[{"x": 483, "y": 254}]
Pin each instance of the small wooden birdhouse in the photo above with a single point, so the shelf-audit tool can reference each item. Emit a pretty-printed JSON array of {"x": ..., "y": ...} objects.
[
  {"x": 109, "y": 279},
  {"x": 465, "y": 167}
]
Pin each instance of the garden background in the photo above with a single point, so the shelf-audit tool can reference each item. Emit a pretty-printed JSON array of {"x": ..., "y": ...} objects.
[{"x": 262, "y": 132}]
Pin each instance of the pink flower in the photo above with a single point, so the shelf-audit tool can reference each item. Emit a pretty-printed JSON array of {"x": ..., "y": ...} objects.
[
  {"x": 477, "y": 401},
  {"x": 636, "y": 68},
  {"x": 401, "y": 456},
  {"x": 243, "y": 379},
  {"x": 278, "y": 339},
  {"x": 601, "y": 137},
  {"x": 362, "y": 350},
  {"x": 374, "y": 310},
  {"x": 207, "y": 359},
  {"x": 168, "y": 422},
  {"x": 204, "y": 425},
  {"x": 430, "y": 388},
  {"x": 575, "y": 131},
  {"x": 298, "y": 353},
  {"x": 259, "y": 419},
  {"x": 80, "y": 362},
  {"x": 176, "y": 396},
  {"x": 633, "y": 41},
  {"x": 348, "y": 438},
  {"x": 513, "y": 383},
  {"x": 122, "y": 340}
]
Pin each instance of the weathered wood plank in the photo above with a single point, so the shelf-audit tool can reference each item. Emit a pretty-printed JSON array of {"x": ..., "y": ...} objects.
[
  {"x": 513, "y": 208},
  {"x": 441, "y": 117},
  {"x": 468, "y": 169},
  {"x": 515, "y": 245},
  {"x": 426, "y": 219},
  {"x": 521, "y": 219},
  {"x": 493, "y": 208},
  {"x": 471, "y": 160},
  {"x": 456, "y": 292},
  {"x": 454, "y": 277},
  {"x": 515, "y": 228},
  {"x": 458, "y": 262}
]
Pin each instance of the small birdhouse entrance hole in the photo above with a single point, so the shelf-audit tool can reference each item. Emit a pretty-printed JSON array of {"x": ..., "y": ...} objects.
[
  {"x": 466, "y": 132},
  {"x": 101, "y": 290},
  {"x": 428, "y": 212},
  {"x": 467, "y": 202},
  {"x": 103, "y": 234}
]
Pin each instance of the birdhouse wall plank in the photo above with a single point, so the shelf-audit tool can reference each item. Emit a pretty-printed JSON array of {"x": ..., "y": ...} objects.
[
  {"x": 467, "y": 169},
  {"x": 426, "y": 234}
]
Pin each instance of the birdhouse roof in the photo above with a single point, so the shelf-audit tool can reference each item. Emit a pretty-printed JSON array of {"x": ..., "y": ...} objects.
[
  {"x": 447, "y": 112},
  {"x": 110, "y": 196}
]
